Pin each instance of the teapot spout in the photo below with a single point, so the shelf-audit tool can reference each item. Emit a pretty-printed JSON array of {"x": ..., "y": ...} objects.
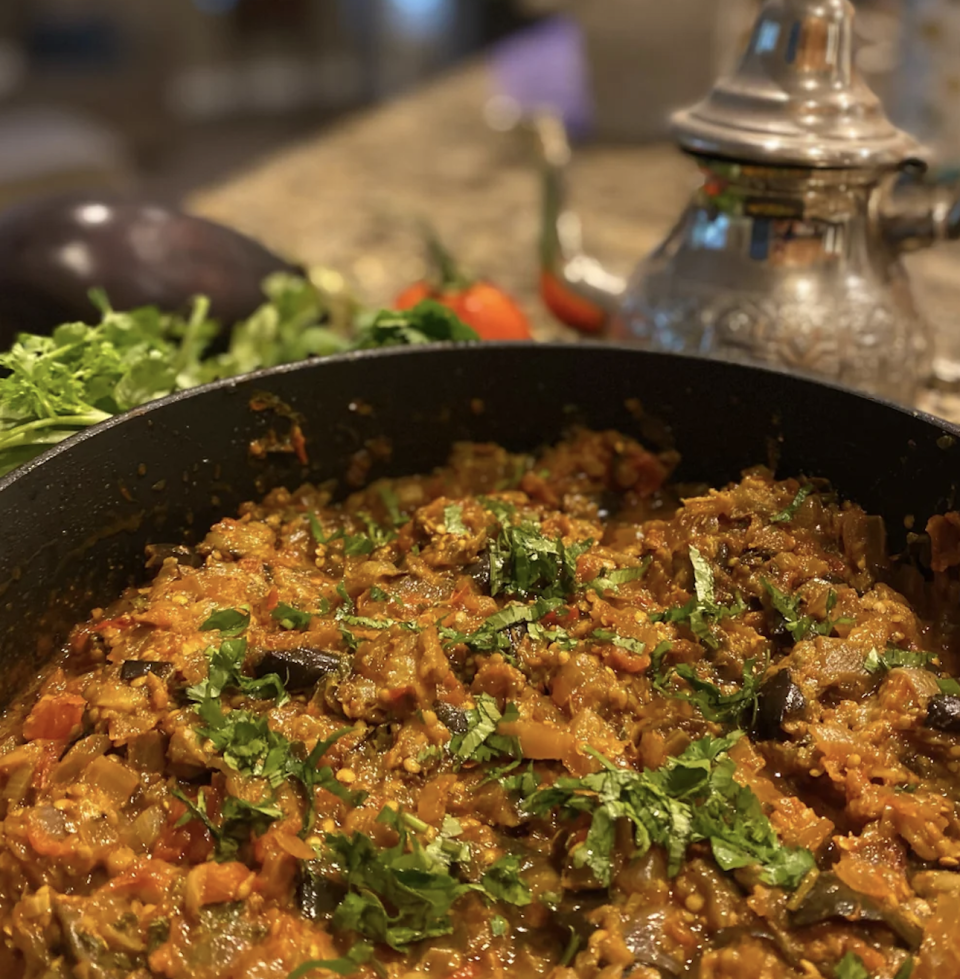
[
  {"x": 575, "y": 287},
  {"x": 917, "y": 215}
]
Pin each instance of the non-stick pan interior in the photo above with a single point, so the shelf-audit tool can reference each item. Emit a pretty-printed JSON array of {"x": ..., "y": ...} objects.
[{"x": 74, "y": 525}]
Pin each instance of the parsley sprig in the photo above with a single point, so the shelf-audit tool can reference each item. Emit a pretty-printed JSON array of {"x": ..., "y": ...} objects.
[
  {"x": 703, "y": 610},
  {"x": 693, "y": 797}
]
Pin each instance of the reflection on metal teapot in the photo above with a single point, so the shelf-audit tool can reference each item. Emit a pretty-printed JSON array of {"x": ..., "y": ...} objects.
[{"x": 789, "y": 253}]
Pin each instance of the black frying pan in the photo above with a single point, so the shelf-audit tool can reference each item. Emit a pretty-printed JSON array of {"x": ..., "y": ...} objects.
[{"x": 74, "y": 524}]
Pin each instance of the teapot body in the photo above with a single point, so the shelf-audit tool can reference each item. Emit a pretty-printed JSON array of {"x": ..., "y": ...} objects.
[{"x": 783, "y": 266}]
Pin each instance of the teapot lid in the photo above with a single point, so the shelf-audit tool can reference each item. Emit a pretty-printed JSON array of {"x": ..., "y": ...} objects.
[{"x": 796, "y": 98}]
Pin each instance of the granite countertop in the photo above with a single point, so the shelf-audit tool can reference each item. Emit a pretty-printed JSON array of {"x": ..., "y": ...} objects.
[{"x": 351, "y": 197}]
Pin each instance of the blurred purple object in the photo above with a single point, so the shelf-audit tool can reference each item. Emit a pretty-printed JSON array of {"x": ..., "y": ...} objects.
[{"x": 545, "y": 67}]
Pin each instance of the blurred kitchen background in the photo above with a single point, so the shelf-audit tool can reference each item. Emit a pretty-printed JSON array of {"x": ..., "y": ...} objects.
[{"x": 169, "y": 95}]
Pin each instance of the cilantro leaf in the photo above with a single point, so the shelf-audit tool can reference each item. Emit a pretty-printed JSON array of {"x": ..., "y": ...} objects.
[
  {"x": 712, "y": 702},
  {"x": 851, "y": 967},
  {"x": 702, "y": 610},
  {"x": 378, "y": 594},
  {"x": 238, "y": 819},
  {"x": 453, "y": 520},
  {"x": 291, "y": 618},
  {"x": 693, "y": 797},
  {"x": 610, "y": 581},
  {"x": 250, "y": 746},
  {"x": 906, "y": 969},
  {"x": 360, "y": 954},
  {"x": 893, "y": 658},
  {"x": 225, "y": 670},
  {"x": 481, "y": 742},
  {"x": 790, "y": 511},
  {"x": 392, "y": 502},
  {"x": 624, "y": 642},
  {"x": 527, "y": 563},
  {"x": 802, "y": 626},
  {"x": 398, "y": 895},
  {"x": 502, "y": 882},
  {"x": 498, "y": 926},
  {"x": 490, "y": 636},
  {"x": 231, "y": 622}
]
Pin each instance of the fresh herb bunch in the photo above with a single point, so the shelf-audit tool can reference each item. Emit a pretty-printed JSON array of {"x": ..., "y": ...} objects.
[{"x": 82, "y": 375}]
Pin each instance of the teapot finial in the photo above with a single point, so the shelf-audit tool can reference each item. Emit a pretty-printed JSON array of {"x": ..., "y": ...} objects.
[{"x": 796, "y": 98}]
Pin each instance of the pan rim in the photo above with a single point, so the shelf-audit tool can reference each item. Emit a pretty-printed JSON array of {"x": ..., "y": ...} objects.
[{"x": 401, "y": 351}]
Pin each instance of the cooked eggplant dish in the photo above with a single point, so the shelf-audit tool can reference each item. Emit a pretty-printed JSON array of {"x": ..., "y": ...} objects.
[{"x": 545, "y": 715}]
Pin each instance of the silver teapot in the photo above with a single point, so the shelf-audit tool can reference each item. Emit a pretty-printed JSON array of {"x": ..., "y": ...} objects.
[{"x": 790, "y": 252}]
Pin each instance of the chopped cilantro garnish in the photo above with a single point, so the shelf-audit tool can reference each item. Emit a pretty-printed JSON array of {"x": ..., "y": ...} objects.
[
  {"x": 481, "y": 742},
  {"x": 230, "y": 621},
  {"x": 790, "y": 511},
  {"x": 892, "y": 658},
  {"x": 498, "y": 926},
  {"x": 398, "y": 895},
  {"x": 360, "y": 954},
  {"x": 851, "y": 967},
  {"x": 225, "y": 670},
  {"x": 624, "y": 642},
  {"x": 378, "y": 594},
  {"x": 906, "y": 969},
  {"x": 453, "y": 520},
  {"x": 558, "y": 635},
  {"x": 378, "y": 536},
  {"x": 290, "y": 617},
  {"x": 490, "y": 636},
  {"x": 712, "y": 702},
  {"x": 657, "y": 656},
  {"x": 703, "y": 609},
  {"x": 238, "y": 818},
  {"x": 347, "y": 606},
  {"x": 404, "y": 893},
  {"x": 525, "y": 783},
  {"x": 502, "y": 882},
  {"x": 571, "y": 949},
  {"x": 693, "y": 797},
  {"x": 527, "y": 563},
  {"x": 610, "y": 581},
  {"x": 802, "y": 626},
  {"x": 392, "y": 503}
]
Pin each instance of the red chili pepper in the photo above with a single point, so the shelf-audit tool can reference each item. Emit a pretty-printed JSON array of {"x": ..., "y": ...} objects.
[{"x": 481, "y": 305}]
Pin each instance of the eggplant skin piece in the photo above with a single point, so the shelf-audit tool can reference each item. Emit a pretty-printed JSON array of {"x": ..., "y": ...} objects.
[
  {"x": 133, "y": 669},
  {"x": 830, "y": 899},
  {"x": 943, "y": 713},
  {"x": 454, "y": 719},
  {"x": 779, "y": 698},
  {"x": 301, "y": 668}
]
